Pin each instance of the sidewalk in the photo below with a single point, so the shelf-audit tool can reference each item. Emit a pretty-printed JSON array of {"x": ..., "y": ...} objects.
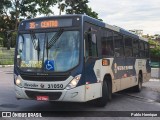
[
  {"x": 155, "y": 73},
  {"x": 153, "y": 79},
  {"x": 6, "y": 66}
]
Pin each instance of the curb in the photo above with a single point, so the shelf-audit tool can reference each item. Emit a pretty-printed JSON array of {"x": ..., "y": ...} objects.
[{"x": 1, "y": 66}]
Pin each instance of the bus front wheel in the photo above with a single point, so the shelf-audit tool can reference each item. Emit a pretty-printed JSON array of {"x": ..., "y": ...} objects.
[{"x": 101, "y": 102}]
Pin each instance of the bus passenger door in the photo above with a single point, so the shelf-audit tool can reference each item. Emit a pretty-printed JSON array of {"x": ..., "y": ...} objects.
[{"x": 91, "y": 55}]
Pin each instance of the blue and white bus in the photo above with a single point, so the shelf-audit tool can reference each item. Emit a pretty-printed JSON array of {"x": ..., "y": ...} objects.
[{"x": 77, "y": 58}]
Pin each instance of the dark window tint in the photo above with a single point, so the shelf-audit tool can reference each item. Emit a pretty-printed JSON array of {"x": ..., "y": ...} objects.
[
  {"x": 142, "y": 54},
  {"x": 128, "y": 52},
  {"x": 135, "y": 44},
  {"x": 135, "y": 53},
  {"x": 118, "y": 39},
  {"x": 107, "y": 44},
  {"x": 128, "y": 41},
  {"x": 119, "y": 52},
  {"x": 90, "y": 43},
  {"x": 146, "y": 46},
  {"x": 141, "y": 45},
  {"x": 119, "y": 45},
  {"x": 94, "y": 45}
]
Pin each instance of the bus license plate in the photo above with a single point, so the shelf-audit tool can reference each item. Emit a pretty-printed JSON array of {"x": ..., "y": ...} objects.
[{"x": 44, "y": 98}]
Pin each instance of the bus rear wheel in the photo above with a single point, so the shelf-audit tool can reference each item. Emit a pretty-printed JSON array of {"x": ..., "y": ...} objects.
[
  {"x": 101, "y": 102},
  {"x": 138, "y": 87}
]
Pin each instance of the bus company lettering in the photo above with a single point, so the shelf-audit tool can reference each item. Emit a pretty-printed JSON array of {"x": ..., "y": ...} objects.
[
  {"x": 124, "y": 67},
  {"x": 30, "y": 85},
  {"x": 119, "y": 68}
]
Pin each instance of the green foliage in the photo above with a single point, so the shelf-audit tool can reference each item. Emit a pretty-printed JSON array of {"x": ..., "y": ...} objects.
[
  {"x": 154, "y": 51},
  {"x": 1, "y": 41},
  {"x": 6, "y": 56},
  {"x": 12, "y": 12},
  {"x": 5, "y": 4},
  {"x": 13, "y": 39},
  {"x": 76, "y": 7},
  {"x": 44, "y": 6}
]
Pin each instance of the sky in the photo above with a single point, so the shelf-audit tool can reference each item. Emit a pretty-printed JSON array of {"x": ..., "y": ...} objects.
[{"x": 129, "y": 14}]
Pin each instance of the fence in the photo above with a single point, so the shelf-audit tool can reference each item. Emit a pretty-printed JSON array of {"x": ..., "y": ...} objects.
[
  {"x": 155, "y": 61},
  {"x": 6, "y": 56}
]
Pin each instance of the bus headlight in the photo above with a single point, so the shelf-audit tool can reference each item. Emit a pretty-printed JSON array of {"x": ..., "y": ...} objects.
[
  {"x": 73, "y": 82},
  {"x": 18, "y": 82}
]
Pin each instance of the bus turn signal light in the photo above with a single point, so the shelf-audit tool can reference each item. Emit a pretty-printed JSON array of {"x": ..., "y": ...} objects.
[{"x": 105, "y": 62}]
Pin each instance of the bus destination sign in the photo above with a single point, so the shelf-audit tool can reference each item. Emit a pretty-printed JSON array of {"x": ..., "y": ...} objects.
[{"x": 40, "y": 24}]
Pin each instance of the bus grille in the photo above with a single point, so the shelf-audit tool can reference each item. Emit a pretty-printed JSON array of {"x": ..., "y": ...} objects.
[
  {"x": 44, "y": 78},
  {"x": 51, "y": 95}
]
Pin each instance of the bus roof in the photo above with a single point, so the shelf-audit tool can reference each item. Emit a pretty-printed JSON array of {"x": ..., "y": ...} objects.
[{"x": 95, "y": 22}]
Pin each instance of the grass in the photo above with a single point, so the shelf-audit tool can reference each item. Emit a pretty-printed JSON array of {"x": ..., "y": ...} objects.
[{"x": 6, "y": 56}]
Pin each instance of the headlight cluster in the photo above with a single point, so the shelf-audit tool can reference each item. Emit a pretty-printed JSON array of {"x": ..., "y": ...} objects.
[
  {"x": 18, "y": 81},
  {"x": 73, "y": 82}
]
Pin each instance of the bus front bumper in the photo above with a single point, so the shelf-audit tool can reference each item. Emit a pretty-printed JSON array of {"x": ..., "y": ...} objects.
[{"x": 76, "y": 94}]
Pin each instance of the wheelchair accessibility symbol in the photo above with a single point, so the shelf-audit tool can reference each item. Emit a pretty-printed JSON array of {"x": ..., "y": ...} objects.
[{"x": 49, "y": 65}]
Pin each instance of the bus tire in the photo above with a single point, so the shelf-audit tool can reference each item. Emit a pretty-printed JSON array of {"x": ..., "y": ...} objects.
[
  {"x": 102, "y": 101},
  {"x": 109, "y": 90},
  {"x": 138, "y": 87}
]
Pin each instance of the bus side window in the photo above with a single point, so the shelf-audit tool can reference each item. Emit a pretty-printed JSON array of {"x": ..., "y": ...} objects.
[
  {"x": 107, "y": 44},
  {"x": 118, "y": 45},
  {"x": 90, "y": 45},
  {"x": 142, "y": 49},
  {"x": 128, "y": 46},
  {"x": 135, "y": 48},
  {"x": 146, "y": 49}
]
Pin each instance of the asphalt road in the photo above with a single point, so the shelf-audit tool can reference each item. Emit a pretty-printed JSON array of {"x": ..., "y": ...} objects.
[{"x": 147, "y": 100}]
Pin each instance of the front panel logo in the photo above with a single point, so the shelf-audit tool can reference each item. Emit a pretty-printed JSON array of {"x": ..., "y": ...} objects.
[
  {"x": 49, "y": 64},
  {"x": 42, "y": 86}
]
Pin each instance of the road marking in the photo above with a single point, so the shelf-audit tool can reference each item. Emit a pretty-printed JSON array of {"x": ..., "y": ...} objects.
[{"x": 156, "y": 80}]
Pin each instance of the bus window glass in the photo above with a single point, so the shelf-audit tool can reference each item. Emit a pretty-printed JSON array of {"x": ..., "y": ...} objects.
[
  {"x": 118, "y": 40},
  {"x": 128, "y": 52},
  {"x": 119, "y": 45},
  {"x": 119, "y": 52},
  {"x": 107, "y": 44},
  {"x": 128, "y": 46},
  {"x": 135, "y": 44},
  {"x": 94, "y": 45},
  {"x": 146, "y": 46},
  {"x": 36, "y": 51},
  {"x": 142, "y": 54},
  {"x": 66, "y": 49},
  {"x": 141, "y": 45},
  {"x": 128, "y": 41},
  {"x": 135, "y": 52},
  {"x": 90, "y": 45}
]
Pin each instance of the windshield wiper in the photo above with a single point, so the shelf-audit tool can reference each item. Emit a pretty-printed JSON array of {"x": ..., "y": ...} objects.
[
  {"x": 35, "y": 42},
  {"x": 54, "y": 39}
]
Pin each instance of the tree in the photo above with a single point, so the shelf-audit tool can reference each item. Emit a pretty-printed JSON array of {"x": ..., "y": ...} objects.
[
  {"x": 44, "y": 6},
  {"x": 30, "y": 9},
  {"x": 76, "y": 7},
  {"x": 12, "y": 10},
  {"x": 154, "y": 51}
]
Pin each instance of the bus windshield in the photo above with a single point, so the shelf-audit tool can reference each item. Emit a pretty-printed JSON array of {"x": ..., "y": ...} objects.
[{"x": 51, "y": 51}]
